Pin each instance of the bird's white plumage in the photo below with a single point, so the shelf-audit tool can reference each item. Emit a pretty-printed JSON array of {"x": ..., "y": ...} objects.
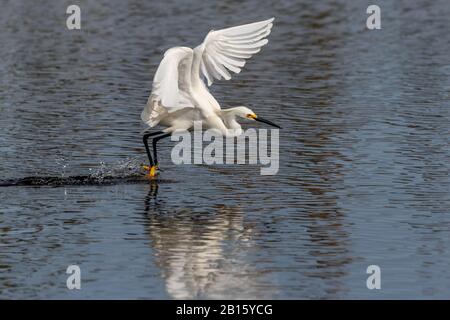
[{"x": 179, "y": 95}]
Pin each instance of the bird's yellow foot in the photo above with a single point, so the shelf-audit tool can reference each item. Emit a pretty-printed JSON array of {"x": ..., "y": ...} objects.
[{"x": 152, "y": 170}]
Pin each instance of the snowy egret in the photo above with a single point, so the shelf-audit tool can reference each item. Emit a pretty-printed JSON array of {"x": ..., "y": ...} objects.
[{"x": 179, "y": 96}]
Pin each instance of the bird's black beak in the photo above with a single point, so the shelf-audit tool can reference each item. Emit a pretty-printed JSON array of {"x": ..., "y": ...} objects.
[{"x": 267, "y": 121}]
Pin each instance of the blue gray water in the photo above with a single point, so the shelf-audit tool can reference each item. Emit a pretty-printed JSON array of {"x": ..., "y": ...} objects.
[{"x": 364, "y": 154}]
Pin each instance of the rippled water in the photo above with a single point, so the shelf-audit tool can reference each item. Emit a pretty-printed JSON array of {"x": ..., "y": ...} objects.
[{"x": 364, "y": 171}]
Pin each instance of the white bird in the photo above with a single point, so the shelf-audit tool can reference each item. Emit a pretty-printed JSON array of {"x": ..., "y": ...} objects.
[{"x": 179, "y": 96}]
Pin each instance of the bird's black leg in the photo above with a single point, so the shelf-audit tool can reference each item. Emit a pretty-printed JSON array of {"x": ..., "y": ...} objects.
[
  {"x": 147, "y": 149},
  {"x": 154, "y": 141}
]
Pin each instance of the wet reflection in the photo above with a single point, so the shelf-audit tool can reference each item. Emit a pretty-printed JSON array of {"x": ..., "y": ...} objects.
[
  {"x": 202, "y": 254},
  {"x": 364, "y": 170}
]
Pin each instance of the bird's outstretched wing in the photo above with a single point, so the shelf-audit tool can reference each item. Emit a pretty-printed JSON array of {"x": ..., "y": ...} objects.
[
  {"x": 170, "y": 85},
  {"x": 227, "y": 49}
]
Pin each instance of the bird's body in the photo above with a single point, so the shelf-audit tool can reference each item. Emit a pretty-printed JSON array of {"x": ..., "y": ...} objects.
[{"x": 179, "y": 95}]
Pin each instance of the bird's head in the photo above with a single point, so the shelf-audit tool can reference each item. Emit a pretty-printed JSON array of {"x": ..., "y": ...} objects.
[{"x": 247, "y": 113}]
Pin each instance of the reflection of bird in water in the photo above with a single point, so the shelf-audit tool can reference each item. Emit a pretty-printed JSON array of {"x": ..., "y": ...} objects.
[
  {"x": 204, "y": 254},
  {"x": 179, "y": 96}
]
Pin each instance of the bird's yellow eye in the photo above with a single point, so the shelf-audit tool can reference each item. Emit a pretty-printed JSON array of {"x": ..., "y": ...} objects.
[{"x": 251, "y": 116}]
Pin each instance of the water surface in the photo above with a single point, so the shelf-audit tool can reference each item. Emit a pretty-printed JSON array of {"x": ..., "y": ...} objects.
[{"x": 364, "y": 155}]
